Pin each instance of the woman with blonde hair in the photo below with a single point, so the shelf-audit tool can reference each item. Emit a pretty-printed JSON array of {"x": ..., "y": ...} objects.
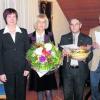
[{"x": 46, "y": 83}]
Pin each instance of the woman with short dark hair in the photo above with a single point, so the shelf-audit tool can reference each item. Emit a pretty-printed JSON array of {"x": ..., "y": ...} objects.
[
  {"x": 8, "y": 12},
  {"x": 14, "y": 68}
]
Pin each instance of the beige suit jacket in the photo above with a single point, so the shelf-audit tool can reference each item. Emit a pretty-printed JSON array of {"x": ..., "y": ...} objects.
[{"x": 96, "y": 52}]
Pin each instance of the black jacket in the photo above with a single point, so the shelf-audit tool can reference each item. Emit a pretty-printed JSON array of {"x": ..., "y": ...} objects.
[
  {"x": 12, "y": 55},
  {"x": 82, "y": 40}
]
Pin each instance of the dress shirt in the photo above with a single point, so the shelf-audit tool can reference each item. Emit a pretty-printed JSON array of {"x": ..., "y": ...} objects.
[
  {"x": 39, "y": 37},
  {"x": 75, "y": 41}
]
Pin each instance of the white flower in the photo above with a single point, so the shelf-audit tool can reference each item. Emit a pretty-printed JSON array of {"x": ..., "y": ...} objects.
[
  {"x": 38, "y": 51},
  {"x": 53, "y": 54},
  {"x": 48, "y": 46}
]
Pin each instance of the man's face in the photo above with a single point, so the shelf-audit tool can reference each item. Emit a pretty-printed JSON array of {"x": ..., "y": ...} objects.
[{"x": 75, "y": 25}]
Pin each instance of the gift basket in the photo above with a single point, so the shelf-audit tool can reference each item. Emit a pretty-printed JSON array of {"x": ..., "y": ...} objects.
[{"x": 79, "y": 53}]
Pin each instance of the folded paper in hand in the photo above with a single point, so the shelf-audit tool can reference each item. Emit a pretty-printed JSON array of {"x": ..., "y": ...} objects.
[{"x": 70, "y": 46}]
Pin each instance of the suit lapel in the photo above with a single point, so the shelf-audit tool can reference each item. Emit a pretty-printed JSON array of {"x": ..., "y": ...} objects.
[
  {"x": 80, "y": 40},
  {"x": 70, "y": 38},
  {"x": 18, "y": 37},
  {"x": 8, "y": 38},
  {"x": 46, "y": 38},
  {"x": 67, "y": 39},
  {"x": 33, "y": 37}
]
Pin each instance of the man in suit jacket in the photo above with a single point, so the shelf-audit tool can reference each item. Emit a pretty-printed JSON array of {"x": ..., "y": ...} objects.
[
  {"x": 74, "y": 71},
  {"x": 94, "y": 65}
]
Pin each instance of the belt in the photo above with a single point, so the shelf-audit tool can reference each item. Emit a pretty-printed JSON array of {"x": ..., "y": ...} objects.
[{"x": 74, "y": 67}]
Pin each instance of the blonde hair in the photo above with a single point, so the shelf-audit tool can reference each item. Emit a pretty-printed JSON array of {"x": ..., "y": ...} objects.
[{"x": 42, "y": 16}]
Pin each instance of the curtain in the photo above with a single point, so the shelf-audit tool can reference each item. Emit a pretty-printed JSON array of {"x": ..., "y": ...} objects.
[{"x": 27, "y": 12}]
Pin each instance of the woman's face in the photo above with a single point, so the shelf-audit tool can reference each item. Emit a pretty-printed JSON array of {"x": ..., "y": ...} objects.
[
  {"x": 11, "y": 19},
  {"x": 41, "y": 24}
]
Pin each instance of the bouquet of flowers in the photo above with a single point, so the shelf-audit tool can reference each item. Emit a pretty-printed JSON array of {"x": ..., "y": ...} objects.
[{"x": 44, "y": 57}]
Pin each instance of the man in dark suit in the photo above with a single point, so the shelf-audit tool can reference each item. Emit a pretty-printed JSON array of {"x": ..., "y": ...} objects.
[
  {"x": 74, "y": 71},
  {"x": 14, "y": 68}
]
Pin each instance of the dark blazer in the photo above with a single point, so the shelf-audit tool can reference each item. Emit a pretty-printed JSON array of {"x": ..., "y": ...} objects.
[
  {"x": 12, "y": 55},
  {"x": 82, "y": 40}
]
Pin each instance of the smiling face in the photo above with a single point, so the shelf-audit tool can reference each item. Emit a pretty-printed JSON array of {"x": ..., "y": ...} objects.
[
  {"x": 41, "y": 24},
  {"x": 75, "y": 25},
  {"x": 11, "y": 19}
]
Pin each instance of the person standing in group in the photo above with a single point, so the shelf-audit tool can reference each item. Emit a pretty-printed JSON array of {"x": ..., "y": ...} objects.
[
  {"x": 14, "y": 68},
  {"x": 74, "y": 71},
  {"x": 94, "y": 65},
  {"x": 45, "y": 84}
]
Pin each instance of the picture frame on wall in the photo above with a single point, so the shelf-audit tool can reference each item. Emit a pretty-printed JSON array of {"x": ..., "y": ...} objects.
[{"x": 45, "y": 7}]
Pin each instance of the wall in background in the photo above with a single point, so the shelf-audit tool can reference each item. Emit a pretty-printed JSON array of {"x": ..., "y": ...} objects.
[
  {"x": 59, "y": 21},
  {"x": 86, "y": 10},
  {"x": 28, "y": 11}
]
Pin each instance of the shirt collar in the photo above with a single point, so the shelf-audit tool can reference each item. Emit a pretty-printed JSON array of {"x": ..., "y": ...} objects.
[
  {"x": 6, "y": 30},
  {"x": 76, "y": 34},
  {"x": 38, "y": 35}
]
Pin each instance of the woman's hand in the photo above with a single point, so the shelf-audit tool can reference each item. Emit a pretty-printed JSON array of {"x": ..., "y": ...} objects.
[
  {"x": 3, "y": 78},
  {"x": 26, "y": 73}
]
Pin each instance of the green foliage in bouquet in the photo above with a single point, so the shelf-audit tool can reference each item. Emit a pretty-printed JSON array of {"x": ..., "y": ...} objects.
[{"x": 44, "y": 56}]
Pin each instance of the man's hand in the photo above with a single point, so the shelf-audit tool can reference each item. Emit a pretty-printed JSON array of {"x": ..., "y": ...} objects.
[
  {"x": 26, "y": 73},
  {"x": 66, "y": 52},
  {"x": 3, "y": 78},
  {"x": 80, "y": 59}
]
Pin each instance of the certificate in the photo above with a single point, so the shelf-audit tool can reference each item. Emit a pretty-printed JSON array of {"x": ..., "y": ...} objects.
[
  {"x": 70, "y": 46},
  {"x": 97, "y": 35}
]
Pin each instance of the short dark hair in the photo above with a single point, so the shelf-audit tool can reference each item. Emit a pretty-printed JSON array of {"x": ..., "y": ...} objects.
[
  {"x": 74, "y": 19},
  {"x": 9, "y": 11}
]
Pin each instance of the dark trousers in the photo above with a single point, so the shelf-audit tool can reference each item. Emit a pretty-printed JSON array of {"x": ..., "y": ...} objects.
[
  {"x": 73, "y": 83},
  {"x": 47, "y": 94},
  {"x": 15, "y": 87}
]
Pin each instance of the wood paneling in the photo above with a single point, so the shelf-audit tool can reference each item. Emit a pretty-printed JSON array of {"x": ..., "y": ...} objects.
[{"x": 86, "y": 10}]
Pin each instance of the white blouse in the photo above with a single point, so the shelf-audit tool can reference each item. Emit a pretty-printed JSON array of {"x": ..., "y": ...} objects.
[
  {"x": 40, "y": 37},
  {"x": 13, "y": 35}
]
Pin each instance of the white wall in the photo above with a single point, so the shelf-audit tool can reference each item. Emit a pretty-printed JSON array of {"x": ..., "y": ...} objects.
[{"x": 60, "y": 23}]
